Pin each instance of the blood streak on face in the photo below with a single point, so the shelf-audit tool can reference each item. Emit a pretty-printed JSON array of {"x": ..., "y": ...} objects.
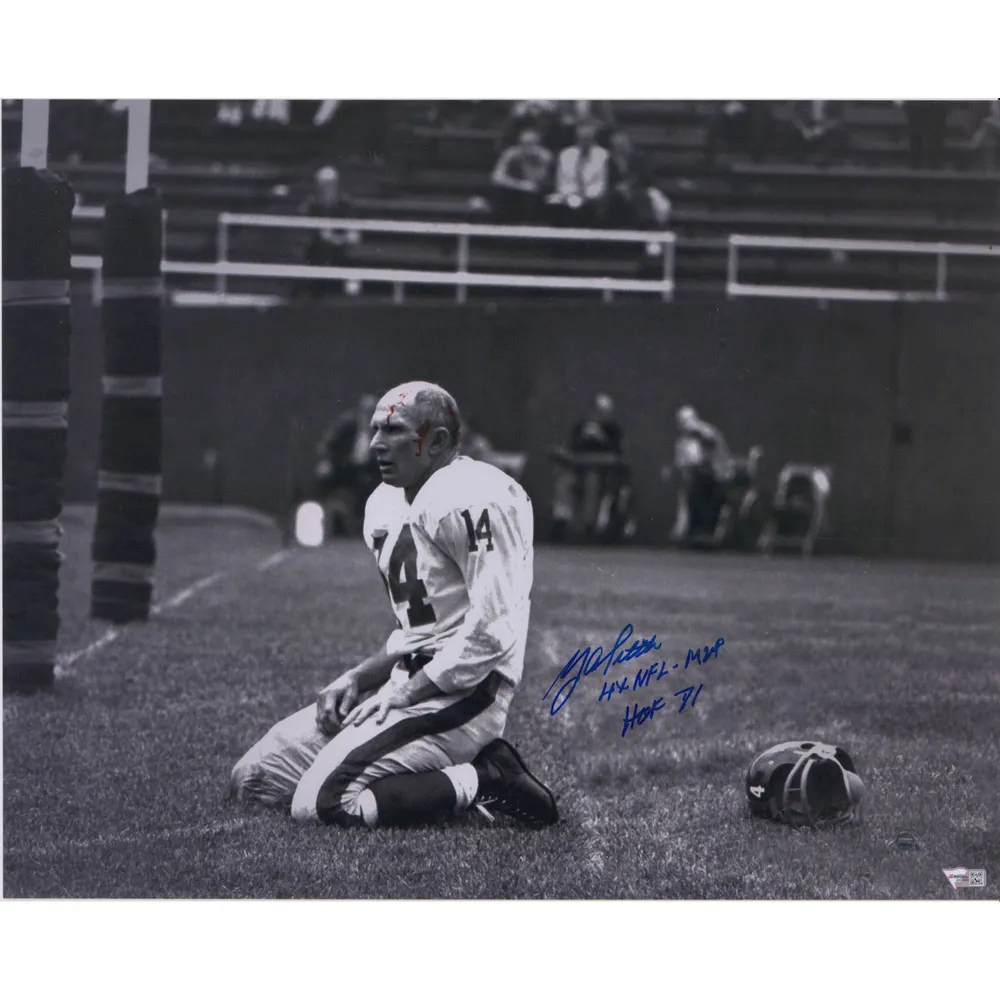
[
  {"x": 392, "y": 407},
  {"x": 422, "y": 431}
]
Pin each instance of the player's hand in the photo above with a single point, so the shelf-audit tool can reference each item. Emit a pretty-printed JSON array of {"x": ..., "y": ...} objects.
[
  {"x": 334, "y": 702},
  {"x": 379, "y": 706}
]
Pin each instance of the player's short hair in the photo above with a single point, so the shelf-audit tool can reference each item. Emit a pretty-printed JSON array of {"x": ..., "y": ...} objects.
[{"x": 435, "y": 407}]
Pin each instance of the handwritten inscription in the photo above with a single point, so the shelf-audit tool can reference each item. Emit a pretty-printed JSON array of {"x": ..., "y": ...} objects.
[
  {"x": 657, "y": 671},
  {"x": 589, "y": 660},
  {"x": 636, "y": 716}
]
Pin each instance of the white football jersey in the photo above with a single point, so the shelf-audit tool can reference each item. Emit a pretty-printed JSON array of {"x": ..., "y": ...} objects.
[{"x": 458, "y": 566}]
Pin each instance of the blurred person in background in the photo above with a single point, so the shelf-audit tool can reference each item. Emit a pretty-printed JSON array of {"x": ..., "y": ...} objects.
[
  {"x": 327, "y": 247},
  {"x": 581, "y": 182},
  {"x": 591, "y": 478},
  {"x": 704, "y": 466},
  {"x": 570, "y": 114},
  {"x": 633, "y": 202},
  {"x": 346, "y": 471},
  {"x": 537, "y": 115},
  {"x": 521, "y": 178}
]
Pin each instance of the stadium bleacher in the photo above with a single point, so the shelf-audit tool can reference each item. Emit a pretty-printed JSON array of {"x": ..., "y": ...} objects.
[{"x": 435, "y": 169}]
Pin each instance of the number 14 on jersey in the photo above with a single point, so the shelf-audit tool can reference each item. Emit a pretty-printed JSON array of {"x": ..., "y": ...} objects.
[{"x": 479, "y": 531}]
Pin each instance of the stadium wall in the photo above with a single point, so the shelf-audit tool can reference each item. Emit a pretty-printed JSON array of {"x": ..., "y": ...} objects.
[{"x": 902, "y": 400}]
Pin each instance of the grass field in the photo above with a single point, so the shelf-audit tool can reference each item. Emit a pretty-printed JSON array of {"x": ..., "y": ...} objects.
[{"x": 115, "y": 785}]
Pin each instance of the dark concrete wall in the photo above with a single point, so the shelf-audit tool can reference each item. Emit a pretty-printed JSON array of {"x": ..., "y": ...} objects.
[{"x": 902, "y": 401}]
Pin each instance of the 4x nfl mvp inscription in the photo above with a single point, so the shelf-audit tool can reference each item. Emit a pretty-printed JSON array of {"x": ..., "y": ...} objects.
[{"x": 591, "y": 659}]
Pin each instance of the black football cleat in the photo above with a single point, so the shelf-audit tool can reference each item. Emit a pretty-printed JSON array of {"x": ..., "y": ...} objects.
[{"x": 506, "y": 784}]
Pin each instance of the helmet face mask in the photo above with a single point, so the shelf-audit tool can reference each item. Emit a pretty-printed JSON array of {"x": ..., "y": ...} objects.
[
  {"x": 805, "y": 784},
  {"x": 816, "y": 792}
]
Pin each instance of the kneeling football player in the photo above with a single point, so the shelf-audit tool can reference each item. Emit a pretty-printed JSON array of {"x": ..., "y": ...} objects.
[{"x": 453, "y": 539}]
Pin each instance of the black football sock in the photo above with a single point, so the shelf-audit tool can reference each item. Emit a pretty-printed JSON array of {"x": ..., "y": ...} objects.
[{"x": 406, "y": 799}]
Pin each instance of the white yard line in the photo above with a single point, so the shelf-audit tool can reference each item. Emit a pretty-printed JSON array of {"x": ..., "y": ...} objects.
[
  {"x": 66, "y": 661},
  {"x": 275, "y": 559},
  {"x": 179, "y": 598}
]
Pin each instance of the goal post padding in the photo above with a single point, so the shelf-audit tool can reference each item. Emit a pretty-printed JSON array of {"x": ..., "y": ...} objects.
[
  {"x": 131, "y": 439},
  {"x": 37, "y": 209}
]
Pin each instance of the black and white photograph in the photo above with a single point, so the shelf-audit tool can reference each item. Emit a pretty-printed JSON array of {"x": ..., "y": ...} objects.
[{"x": 501, "y": 499}]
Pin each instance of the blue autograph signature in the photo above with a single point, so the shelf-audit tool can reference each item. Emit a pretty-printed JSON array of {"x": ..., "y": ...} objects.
[{"x": 586, "y": 661}]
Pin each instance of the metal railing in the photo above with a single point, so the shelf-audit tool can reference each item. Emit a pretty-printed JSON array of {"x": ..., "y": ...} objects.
[
  {"x": 461, "y": 277},
  {"x": 734, "y": 287}
]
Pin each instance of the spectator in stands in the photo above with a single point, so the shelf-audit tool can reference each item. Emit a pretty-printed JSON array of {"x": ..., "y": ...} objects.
[
  {"x": 581, "y": 180},
  {"x": 537, "y": 115},
  {"x": 928, "y": 121},
  {"x": 819, "y": 130},
  {"x": 632, "y": 202},
  {"x": 570, "y": 114},
  {"x": 327, "y": 247},
  {"x": 521, "y": 178},
  {"x": 985, "y": 143}
]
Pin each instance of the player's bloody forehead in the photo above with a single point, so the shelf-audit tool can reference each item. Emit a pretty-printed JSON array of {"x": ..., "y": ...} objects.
[{"x": 396, "y": 413}]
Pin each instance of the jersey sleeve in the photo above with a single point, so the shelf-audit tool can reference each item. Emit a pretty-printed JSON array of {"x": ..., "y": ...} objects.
[{"x": 490, "y": 546}]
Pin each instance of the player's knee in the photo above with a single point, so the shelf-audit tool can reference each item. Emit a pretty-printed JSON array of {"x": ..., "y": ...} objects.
[
  {"x": 268, "y": 778},
  {"x": 251, "y": 782},
  {"x": 241, "y": 779}
]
